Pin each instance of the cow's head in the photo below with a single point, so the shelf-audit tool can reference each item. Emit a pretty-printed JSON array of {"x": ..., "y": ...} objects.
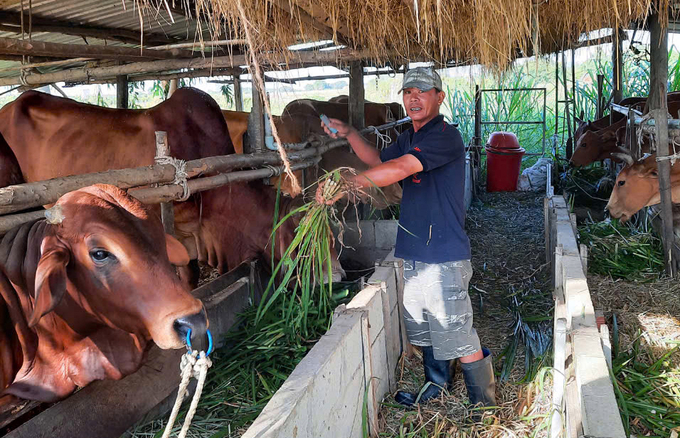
[
  {"x": 594, "y": 146},
  {"x": 106, "y": 252},
  {"x": 636, "y": 186}
]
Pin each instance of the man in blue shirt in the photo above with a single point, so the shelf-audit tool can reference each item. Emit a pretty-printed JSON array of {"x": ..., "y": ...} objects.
[{"x": 429, "y": 159}]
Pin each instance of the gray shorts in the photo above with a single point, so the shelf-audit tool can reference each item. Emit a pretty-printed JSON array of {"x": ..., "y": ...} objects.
[{"x": 438, "y": 311}]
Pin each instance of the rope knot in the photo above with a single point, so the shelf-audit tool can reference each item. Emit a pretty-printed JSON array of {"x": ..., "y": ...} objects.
[
  {"x": 382, "y": 139},
  {"x": 192, "y": 364},
  {"x": 181, "y": 174}
]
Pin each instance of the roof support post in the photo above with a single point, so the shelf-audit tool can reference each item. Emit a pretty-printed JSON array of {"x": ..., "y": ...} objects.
[
  {"x": 356, "y": 94},
  {"x": 617, "y": 64},
  {"x": 600, "y": 97},
  {"x": 122, "y": 91},
  {"x": 238, "y": 96},
  {"x": 658, "y": 107},
  {"x": 256, "y": 120}
]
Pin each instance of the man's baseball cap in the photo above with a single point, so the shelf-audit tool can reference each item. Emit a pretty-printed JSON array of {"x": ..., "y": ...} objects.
[{"x": 422, "y": 78}]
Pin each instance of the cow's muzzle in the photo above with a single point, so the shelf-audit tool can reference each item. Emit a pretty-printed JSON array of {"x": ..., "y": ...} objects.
[{"x": 197, "y": 326}]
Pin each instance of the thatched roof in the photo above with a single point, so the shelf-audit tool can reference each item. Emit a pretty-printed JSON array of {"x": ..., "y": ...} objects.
[{"x": 490, "y": 32}]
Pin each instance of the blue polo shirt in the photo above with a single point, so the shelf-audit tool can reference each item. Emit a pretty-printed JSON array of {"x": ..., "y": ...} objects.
[{"x": 432, "y": 215}]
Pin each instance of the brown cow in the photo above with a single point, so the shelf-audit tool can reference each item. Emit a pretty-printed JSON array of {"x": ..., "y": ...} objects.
[
  {"x": 296, "y": 127},
  {"x": 597, "y": 145},
  {"x": 300, "y": 120},
  {"x": 637, "y": 186},
  {"x": 84, "y": 293},
  {"x": 50, "y": 136}
]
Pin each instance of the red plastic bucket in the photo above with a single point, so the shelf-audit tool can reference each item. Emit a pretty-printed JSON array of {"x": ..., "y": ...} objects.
[{"x": 503, "y": 161}]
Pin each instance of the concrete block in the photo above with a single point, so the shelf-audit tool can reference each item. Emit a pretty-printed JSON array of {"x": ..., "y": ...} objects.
[
  {"x": 586, "y": 343},
  {"x": 351, "y": 236},
  {"x": 367, "y": 234},
  {"x": 387, "y": 276},
  {"x": 381, "y": 367},
  {"x": 600, "y": 413},
  {"x": 386, "y": 234},
  {"x": 566, "y": 237},
  {"x": 576, "y": 294},
  {"x": 340, "y": 405},
  {"x": 370, "y": 299}
]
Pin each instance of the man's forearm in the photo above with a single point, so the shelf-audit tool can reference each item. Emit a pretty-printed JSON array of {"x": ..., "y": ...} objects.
[{"x": 364, "y": 150}]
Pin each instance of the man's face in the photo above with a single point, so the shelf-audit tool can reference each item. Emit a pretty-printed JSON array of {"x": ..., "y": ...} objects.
[{"x": 422, "y": 106}]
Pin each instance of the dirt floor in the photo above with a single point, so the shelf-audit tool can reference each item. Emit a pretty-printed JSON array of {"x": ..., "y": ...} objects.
[{"x": 512, "y": 300}]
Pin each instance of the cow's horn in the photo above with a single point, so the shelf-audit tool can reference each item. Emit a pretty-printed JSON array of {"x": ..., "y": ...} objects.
[
  {"x": 54, "y": 215},
  {"x": 625, "y": 151},
  {"x": 624, "y": 157}
]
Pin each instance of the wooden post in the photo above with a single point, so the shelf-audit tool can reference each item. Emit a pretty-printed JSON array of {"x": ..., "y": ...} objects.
[
  {"x": 658, "y": 107},
  {"x": 238, "y": 96},
  {"x": 557, "y": 93},
  {"x": 567, "y": 113},
  {"x": 122, "y": 91},
  {"x": 167, "y": 210},
  {"x": 172, "y": 88},
  {"x": 478, "y": 127},
  {"x": 256, "y": 120},
  {"x": 356, "y": 94},
  {"x": 617, "y": 65},
  {"x": 600, "y": 98},
  {"x": 574, "y": 96}
]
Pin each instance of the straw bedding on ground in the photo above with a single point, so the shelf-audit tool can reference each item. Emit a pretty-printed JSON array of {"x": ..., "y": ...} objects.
[{"x": 508, "y": 256}]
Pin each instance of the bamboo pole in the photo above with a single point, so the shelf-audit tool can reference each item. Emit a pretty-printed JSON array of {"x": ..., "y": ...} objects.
[
  {"x": 30, "y": 195},
  {"x": 235, "y": 42},
  {"x": 169, "y": 193},
  {"x": 13, "y": 46},
  {"x": 99, "y": 73}
]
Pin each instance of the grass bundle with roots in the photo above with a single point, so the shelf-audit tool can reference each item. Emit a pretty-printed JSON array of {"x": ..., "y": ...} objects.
[{"x": 306, "y": 266}]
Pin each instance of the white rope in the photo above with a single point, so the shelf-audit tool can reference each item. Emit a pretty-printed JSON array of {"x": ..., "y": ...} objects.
[
  {"x": 180, "y": 174},
  {"x": 192, "y": 365},
  {"x": 382, "y": 139}
]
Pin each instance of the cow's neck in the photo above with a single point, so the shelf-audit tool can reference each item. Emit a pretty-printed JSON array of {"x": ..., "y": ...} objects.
[
  {"x": 66, "y": 359},
  {"x": 68, "y": 347},
  {"x": 675, "y": 188}
]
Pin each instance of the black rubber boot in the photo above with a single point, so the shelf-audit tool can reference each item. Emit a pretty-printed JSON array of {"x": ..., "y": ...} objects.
[
  {"x": 480, "y": 381},
  {"x": 437, "y": 377}
]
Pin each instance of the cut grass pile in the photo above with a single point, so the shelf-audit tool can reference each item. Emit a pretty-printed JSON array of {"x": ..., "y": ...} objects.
[{"x": 622, "y": 251}]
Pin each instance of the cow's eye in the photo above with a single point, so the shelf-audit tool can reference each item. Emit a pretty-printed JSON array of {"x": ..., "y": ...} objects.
[
  {"x": 621, "y": 183},
  {"x": 101, "y": 255}
]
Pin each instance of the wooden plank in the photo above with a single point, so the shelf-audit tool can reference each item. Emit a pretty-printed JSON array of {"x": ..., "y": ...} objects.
[{"x": 106, "y": 409}]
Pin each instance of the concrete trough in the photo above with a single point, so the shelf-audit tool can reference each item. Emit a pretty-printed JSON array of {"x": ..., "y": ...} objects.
[{"x": 588, "y": 407}]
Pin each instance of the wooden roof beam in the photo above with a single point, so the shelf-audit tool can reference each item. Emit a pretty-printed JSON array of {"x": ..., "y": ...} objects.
[
  {"x": 12, "y": 46},
  {"x": 11, "y": 22}
]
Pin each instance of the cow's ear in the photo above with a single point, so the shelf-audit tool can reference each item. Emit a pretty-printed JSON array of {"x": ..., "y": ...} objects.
[
  {"x": 50, "y": 278},
  {"x": 177, "y": 253}
]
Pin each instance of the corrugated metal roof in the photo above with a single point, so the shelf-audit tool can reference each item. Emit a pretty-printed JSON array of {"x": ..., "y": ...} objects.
[{"x": 111, "y": 14}]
